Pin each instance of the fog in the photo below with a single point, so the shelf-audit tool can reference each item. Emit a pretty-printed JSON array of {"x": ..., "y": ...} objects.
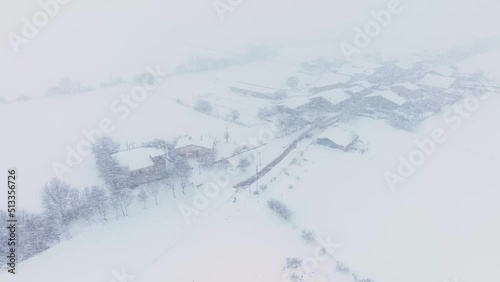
[{"x": 89, "y": 40}]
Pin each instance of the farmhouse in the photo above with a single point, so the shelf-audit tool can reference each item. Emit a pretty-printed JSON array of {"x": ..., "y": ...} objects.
[
  {"x": 338, "y": 138},
  {"x": 384, "y": 100},
  {"x": 295, "y": 103},
  {"x": 329, "y": 81},
  {"x": 408, "y": 90},
  {"x": 190, "y": 147},
  {"x": 405, "y": 65},
  {"x": 258, "y": 91},
  {"x": 143, "y": 164},
  {"x": 332, "y": 99},
  {"x": 359, "y": 68},
  {"x": 443, "y": 70},
  {"x": 437, "y": 81}
]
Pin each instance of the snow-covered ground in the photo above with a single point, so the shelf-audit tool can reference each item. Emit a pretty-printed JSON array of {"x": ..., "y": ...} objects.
[{"x": 441, "y": 223}]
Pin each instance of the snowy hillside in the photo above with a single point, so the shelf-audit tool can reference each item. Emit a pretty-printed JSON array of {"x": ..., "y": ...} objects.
[{"x": 318, "y": 141}]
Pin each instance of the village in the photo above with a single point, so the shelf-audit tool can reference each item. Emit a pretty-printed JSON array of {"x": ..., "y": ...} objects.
[{"x": 313, "y": 101}]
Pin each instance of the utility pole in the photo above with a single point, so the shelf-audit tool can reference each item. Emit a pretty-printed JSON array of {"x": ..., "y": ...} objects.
[{"x": 257, "y": 182}]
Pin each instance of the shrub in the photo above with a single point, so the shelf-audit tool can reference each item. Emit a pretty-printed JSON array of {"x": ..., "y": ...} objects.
[
  {"x": 342, "y": 268},
  {"x": 243, "y": 164},
  {"x": 293, "y": 263},
  {"x": 23, "y": 98},
  {"x": 280, "y": 209},
  {"x": 308, "y": 236},
  {"x": 204, "y": 107}
]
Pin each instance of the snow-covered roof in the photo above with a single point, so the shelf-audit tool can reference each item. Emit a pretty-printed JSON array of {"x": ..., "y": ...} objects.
[
  {"x": 352, "y": 69},
  {"x": 389, "y": 95},
  {"x": 202, "y": 141},
  {"x": 335, "y": 96},
  {"x": 137, "y": 158},
  {"x": 437, "y": 81},
  {"x": 295, "y": 102},
  {"x": 356, "y": 89},
  {"x": 365, "y": 64},
  {"x": 332, "y": 79},
  {"x": 255, "y": 88},
  {"x": 364, "y": 84},
  {"x": 406, "y": 65},
  {"x": 339, "y": 135},
  {"x": 409, "y": 86},
  {"x": 444, "y": 70}
]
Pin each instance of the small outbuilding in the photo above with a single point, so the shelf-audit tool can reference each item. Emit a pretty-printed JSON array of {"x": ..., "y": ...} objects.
[
  {"x": 338, "y": 138},
  {"x": 144, "y": 164},
  {"x": 190, "y": 147}
]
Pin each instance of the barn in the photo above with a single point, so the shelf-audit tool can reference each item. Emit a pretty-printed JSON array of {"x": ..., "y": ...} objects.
[
  {"x": 338, "y": 138},
  {"x": 143, "y": 164},
  {"x": 190, "y": 147}
]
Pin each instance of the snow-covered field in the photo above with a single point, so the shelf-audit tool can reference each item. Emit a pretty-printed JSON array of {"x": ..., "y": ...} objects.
[{"x": 442, "y": 223}]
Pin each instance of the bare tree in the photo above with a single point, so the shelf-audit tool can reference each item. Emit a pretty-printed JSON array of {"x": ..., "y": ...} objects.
[
  {"x": 100, "y": 200},
  {"x": 183, "y": 172},
  {"x": 153, "y": 189},
  {"x": 169, "y": 182},
  {"x": 85, "y": 205},
  {"x": 121, "y": 199},
  {"x": 235, "y": 115},
  {"x": 60, "y": 200},
  {"x": 143, "y": 197}
]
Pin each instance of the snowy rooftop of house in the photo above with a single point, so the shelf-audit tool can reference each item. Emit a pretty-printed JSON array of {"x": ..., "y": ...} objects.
[
  {"x": 409, "y": 86},
  {"x": 406, "y": 65},
  {"x": 389, "y": 95},
  {"x": 332, "y": 79},
  {"x": 339, "y": 135},
  {"x": 365, "y": 68},
  {"x": 305, "y": 78},
  {"x": 255, "y": 88},
  {"x": 202, "y": 141},
  {"x": 490, "y": 83},
  {"x": 356, "y": 89},
  {"x": 295, "y": 102},
  {"x": 137, "y": 158},
  {"x": 437, "y": 81},
  {"x": 444, "y": 70},
  {"x": 365, "y": 84},
  {"x": 335, "y": 96}
]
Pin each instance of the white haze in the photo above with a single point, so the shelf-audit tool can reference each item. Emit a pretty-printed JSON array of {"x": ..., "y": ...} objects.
[{"x": 89, "y": 40}]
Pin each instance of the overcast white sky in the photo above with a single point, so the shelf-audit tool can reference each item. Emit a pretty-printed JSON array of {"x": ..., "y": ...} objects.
[{"x": 90, "y": 39}]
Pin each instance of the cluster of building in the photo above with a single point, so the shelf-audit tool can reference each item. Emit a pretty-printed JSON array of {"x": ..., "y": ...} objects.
[
  {"x": 147, "y": 164},
  {"x": 402, "y": 92}
]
